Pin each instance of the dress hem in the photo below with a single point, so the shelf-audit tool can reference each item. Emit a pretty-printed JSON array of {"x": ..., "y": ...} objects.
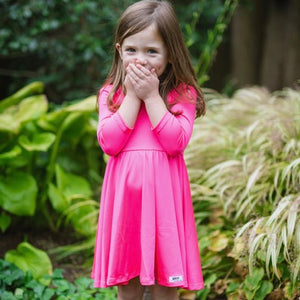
[{"x": 116, "y": 282}]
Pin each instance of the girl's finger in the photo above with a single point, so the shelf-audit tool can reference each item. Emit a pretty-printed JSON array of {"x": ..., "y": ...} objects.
[
  {"x": 133, "y": 78},
  {"x": 142, "y": 74},
  {"x": 143, "y": 69}
]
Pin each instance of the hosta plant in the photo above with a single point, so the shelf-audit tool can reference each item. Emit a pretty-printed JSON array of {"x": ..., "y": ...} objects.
[{"x": 50, "y": 161}]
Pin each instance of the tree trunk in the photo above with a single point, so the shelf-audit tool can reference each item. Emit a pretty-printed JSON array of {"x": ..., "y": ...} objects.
[
  {"x": 246, "y": 40},
  {"x": 264, "y": 45},
  {"x": 292, "y": 45},
  {"x": 272, "y": 68}
]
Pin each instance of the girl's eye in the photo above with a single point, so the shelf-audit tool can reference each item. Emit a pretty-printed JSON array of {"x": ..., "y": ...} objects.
[
  {"x": 130, "y": 50},
  {"x": 152, "y": 51}
]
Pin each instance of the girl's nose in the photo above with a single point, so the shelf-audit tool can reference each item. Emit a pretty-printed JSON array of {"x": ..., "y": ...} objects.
[
  {"x": 141, "y": 62},
  {"x": 141, "y": 58}
]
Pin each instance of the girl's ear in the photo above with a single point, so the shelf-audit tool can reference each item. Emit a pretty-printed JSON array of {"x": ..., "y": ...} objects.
[{"x": 118, "y": 47}]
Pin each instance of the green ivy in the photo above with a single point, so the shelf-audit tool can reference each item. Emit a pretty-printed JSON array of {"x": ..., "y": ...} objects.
[{"x": 16, "y": 284}]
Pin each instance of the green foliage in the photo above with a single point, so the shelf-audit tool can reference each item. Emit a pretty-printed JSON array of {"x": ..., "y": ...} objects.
[
  {"x": 255, "y": 287},
  {"x": 18, "y": 192},
  {"x": 68, "y": 44},
  {"x": 243, "y": 161},
  {"x": 49, "y": 156},
  {"x": 16, "y": 284},
  {"x": 29, "y": 258},
  {"x": 5, "y": 221},
  {"x": 204, "y": 50},
  {"x": 32, "y": 88}
]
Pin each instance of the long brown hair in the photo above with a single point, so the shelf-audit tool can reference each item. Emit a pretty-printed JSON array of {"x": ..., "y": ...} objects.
[{"x": 136, "y": 18}]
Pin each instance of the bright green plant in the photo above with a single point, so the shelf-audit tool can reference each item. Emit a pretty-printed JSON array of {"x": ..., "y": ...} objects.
[
  {"x": 50, "y": 161},
  {"x": 16, "y": 284},
  {"x": 29, "y": 258}
]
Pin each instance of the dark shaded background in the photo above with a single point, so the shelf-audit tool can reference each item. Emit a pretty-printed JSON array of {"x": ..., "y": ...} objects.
[{"x": 68, "y": 44}]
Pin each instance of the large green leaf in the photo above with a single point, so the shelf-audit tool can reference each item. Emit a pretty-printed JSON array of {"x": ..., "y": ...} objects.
[
  {"x": 72, "y": 186},
  {"x": 66, "y": 116},
  {"x": 30, "y": 258},
  {"x": 86, "y": 105},
  {"x": 74, "y": 125},
  {"x": 265, "y": 289},
  {"x": 57, "y": 199},
  {"x": 11, "y": 154},
  {"x": 52, "y": 121},
  {"x": 15, "y": 158},
  {"x": 39, "y": 142},
  {"x": 31, "y": 108},
  {"x": 32, "y": 88},
  {"x": 8, "y": 123},
  {"x": 18, "y": 193},
  {"x": 5, "y": 221},
  {"x": 84, "y": 218},
  {"x": 252, "y": 281}
]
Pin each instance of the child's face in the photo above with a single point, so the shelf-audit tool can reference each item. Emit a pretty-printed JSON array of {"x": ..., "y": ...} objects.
[{"x": 145, "y": 47}]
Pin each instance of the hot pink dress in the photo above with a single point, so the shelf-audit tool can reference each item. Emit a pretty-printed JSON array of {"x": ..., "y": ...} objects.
[{"x": 146, "y": 224}]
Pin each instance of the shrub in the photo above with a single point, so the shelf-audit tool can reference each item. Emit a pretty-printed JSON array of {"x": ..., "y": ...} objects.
[
  {"x": 50, "y": 160},
  {"x": 244, "y": 167}
]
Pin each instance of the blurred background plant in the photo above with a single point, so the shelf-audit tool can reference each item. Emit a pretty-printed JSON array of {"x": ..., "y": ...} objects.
[
  {"x": 65, "y": 44},
  {"x": 68, "y": 44}
]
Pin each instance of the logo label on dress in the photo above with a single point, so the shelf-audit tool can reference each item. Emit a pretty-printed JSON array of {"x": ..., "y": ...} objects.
[{"x": 175, "y": 278}]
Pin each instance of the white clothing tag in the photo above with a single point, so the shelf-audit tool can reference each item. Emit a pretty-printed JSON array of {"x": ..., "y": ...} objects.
[{"x": 175, "y": 278}]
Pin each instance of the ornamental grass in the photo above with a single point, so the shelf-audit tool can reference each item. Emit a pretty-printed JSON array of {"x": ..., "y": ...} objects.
[{"x": 244, "y": 165}]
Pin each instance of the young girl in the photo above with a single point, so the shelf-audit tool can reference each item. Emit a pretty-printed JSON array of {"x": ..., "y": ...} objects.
[{"x": 146, "y": 232}]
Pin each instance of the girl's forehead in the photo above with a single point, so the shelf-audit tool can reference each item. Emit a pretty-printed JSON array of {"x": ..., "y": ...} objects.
[{"x": 150, "y": 32}]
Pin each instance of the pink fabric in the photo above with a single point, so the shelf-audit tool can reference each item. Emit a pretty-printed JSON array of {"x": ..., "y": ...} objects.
[{"x": 146, "y": 224}]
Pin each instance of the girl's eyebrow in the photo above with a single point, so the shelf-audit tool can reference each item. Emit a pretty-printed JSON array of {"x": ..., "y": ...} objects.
[
  {"x": 145, "y": 46},
  {"x": 152, "y": 47}
]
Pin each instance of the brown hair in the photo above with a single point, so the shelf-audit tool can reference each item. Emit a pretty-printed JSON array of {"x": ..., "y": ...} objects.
[{"x": 136, "y": 18}]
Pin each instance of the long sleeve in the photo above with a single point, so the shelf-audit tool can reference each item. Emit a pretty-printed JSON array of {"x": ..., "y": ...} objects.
[
  {"x": 112, "y": 132},
  {"x": 174, "y": 131}
]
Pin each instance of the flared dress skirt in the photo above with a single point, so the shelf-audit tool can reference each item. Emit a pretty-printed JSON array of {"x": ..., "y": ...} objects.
[{"x": 146, "y": 224}]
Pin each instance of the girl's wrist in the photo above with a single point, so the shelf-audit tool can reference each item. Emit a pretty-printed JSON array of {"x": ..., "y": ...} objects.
[
  {"x": 132, "y": 97},
  {"x": 153, "y": 99}
]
